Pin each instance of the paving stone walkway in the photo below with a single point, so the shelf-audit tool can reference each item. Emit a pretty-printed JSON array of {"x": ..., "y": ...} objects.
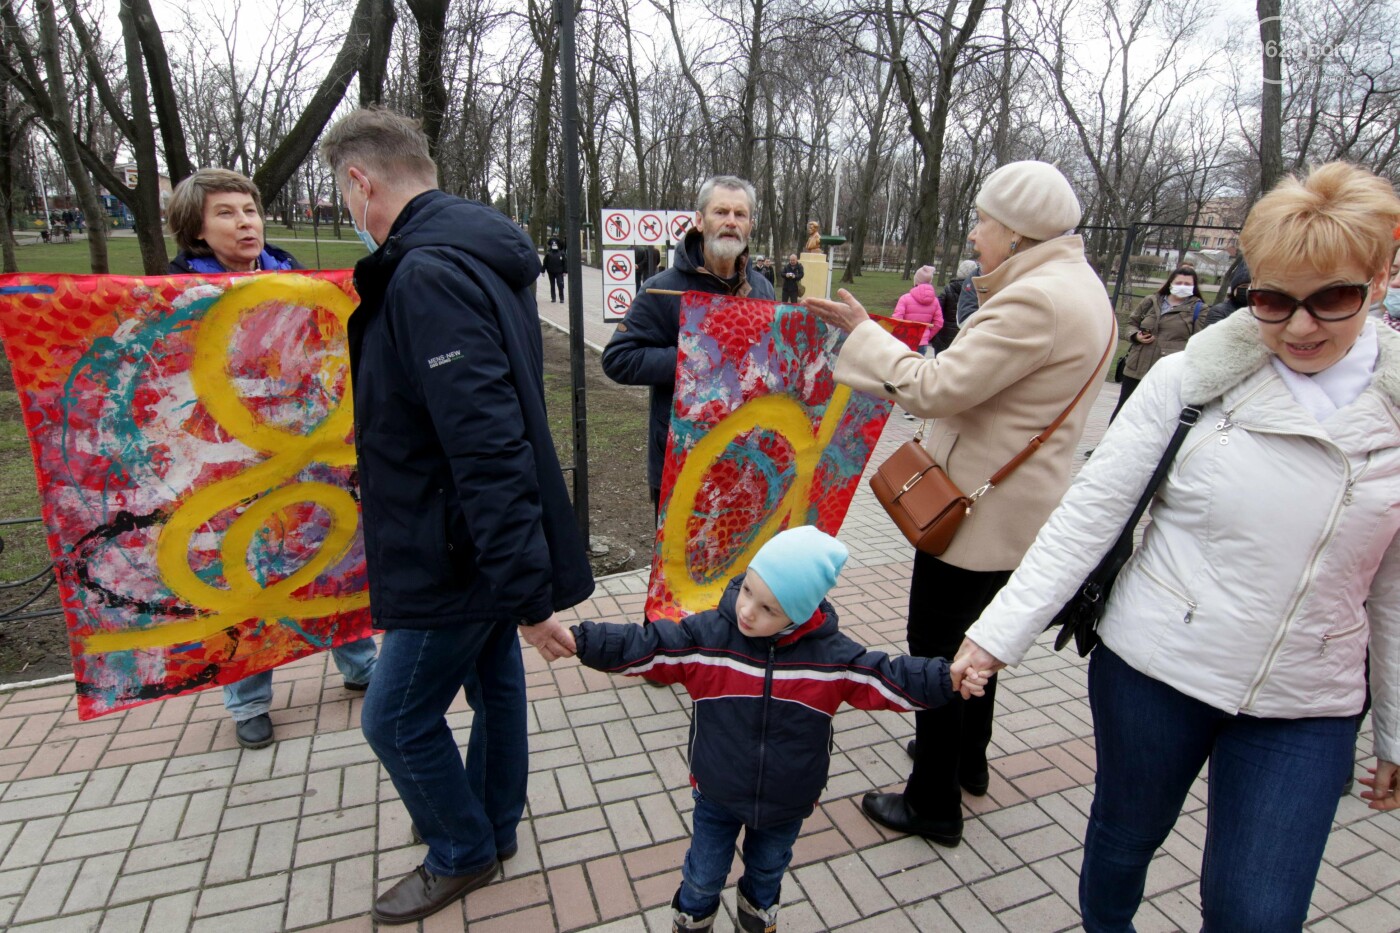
[{"x": 156, "y": 820}]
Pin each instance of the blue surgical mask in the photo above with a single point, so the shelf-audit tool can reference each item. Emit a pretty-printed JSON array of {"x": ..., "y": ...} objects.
[
  {"x": 360, "y": 230},
  {"x": 1392, "y": 302}
]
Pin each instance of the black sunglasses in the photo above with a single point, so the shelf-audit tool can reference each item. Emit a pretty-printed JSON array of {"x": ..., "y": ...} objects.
[{"x": 1333, "y": 303}]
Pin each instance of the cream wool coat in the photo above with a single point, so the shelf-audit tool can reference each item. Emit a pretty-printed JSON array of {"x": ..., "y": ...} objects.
[
  {"x": 1273, "y": 555},
  {"x": 1041, "y": 329}
]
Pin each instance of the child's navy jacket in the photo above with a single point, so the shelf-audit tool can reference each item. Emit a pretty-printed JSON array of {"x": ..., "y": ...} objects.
[{"x": 761, "y": 732}]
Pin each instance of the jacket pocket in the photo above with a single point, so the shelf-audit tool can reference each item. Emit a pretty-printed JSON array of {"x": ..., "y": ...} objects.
[
  {"x": 1328, "y": 638},
  {"x": 1187, "y": 601}
]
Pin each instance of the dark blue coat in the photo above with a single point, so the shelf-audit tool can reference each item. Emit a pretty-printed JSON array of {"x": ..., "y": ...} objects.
[
  {"x": 642, "y": 351},
  {"x": 760, "y": 731},
  {"x": 466, "y": 514}
]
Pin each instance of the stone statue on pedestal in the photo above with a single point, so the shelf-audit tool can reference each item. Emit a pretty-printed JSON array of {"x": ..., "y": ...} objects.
[{"x": 814, "y": 239}]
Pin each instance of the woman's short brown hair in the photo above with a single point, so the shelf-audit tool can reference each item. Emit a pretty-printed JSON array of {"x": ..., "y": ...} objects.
[
  {"x": 1339, "y": 215},
  {"x": 184, "y": 214}
]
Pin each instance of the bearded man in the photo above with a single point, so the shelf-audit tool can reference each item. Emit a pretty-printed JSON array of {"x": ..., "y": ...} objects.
[{"x": 713, "y": 257}]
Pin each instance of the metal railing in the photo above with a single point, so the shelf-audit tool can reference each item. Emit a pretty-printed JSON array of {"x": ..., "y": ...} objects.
[{"x": 16, "y": 589}]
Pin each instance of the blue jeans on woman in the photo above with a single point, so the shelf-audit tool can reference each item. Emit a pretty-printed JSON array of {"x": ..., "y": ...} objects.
[
  {"x": 767, "y": 852},
  {"x": 1273, "y": 791},
  {"x": 468, "y": 811},
  {"x": 252, "y": 696}
]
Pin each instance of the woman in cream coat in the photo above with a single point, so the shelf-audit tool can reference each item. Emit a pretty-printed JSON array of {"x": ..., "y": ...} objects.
[
  {"x": 1237, "y": 634},
  {"x": 1037, "y": 339}
]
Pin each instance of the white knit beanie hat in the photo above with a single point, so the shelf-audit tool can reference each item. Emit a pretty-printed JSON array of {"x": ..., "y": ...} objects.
[{"x": 1031, "y": 198}]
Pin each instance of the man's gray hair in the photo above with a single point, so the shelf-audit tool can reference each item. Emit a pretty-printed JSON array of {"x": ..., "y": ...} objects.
[
  {"x": 378, "y": 138},
  {"x": 733, "y": 183}
]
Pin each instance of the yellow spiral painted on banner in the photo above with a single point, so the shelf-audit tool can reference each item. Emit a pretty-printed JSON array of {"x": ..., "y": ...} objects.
[{"x": 262, "y": 490}]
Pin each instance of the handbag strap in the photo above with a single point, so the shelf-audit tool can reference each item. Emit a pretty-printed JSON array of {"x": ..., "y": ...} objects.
[
  {"x": 1185, "y": 421},
  {"x": 1000, "y": 475}
]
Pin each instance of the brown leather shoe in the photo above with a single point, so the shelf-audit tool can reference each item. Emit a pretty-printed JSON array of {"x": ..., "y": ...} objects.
[{"x": 422, "y": 893}]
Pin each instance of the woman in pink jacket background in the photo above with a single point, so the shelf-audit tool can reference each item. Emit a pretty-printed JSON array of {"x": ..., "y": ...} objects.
[{"x": 921, "y": 304}]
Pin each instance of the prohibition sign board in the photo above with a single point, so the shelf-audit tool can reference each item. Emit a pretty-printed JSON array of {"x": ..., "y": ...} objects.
[
  {"x": 651, "y": 227},
  {"x": 618, "y": 266},
  {"x": 677, "y": 223},
  {"x": 617, "y": 227},
  {"x": 616, "y": 300}
]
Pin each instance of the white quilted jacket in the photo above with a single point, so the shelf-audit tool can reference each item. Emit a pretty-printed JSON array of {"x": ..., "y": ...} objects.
[{"x": 1272, "y": 556}]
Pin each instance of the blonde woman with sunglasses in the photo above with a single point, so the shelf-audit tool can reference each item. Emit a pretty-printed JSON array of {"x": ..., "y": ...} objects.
[{"x": 1237, "y": 634}]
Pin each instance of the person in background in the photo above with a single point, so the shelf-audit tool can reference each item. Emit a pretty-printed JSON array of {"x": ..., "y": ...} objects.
[
  {"x": 713, "y": 257},
  {"x": 555, "y": 268},
  {"x": 920, "y": 304},
  {"x": 792, "y": 275},
  {"x": 1235, "y": 300},
  {"x": 1036, "y": 341},
  {"x": 951, "y": 297},
  {"x": 1237, "y": 634},
  {"x": 968, "y": 299},
  {"x": 1161, "y": 324},
  {"x": 217, "y": 219}
]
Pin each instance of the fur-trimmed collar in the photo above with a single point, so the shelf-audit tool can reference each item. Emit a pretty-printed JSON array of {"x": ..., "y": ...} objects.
[{"x": 1225, "y": 354}]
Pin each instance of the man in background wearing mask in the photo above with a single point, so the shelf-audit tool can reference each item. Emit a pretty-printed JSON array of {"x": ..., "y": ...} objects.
[
  {"x": 713, "y": 257},
  {"x": 1390, "y": 306},
  {"x": 469, "y": 533}
]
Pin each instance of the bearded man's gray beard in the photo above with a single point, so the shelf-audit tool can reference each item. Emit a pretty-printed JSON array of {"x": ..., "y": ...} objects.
[{"x": 725, "y": 247}]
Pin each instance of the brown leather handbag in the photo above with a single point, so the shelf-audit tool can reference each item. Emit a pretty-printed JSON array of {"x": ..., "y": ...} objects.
[{"x": 926, "y": 505}]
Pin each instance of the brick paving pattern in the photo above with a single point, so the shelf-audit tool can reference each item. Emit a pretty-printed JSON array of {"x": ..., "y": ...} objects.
[{"x": 156, "y": 820}]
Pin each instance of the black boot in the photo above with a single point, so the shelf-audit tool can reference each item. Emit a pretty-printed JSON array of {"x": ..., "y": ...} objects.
[{"x": 682, "y": 922}]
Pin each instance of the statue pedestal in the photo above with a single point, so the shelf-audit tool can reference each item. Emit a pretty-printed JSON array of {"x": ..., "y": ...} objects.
[{"x": 815, "y": 273}]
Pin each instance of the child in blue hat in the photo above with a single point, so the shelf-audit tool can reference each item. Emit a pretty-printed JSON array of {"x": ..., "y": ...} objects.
[{"x": 767, "y": 669}]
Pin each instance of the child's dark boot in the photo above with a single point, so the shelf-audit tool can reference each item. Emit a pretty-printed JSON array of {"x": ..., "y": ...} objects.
[
  {"x": 682, "y": 922},
  {"x": 756, "y": 919}
]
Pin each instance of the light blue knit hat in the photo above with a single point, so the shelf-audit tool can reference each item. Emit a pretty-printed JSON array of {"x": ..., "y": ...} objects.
[{"x": 800, "y": 565}]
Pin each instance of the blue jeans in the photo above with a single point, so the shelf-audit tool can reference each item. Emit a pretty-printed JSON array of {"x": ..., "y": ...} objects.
[
  {"x": 1274, "y": 787},
  {"x": 465, "y": 812},
  {"x": 767, "y": 853},
  {"x": 252, "y": 696}
]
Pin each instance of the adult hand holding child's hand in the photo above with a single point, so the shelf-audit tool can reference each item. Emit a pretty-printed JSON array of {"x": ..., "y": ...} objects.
[
  {"x": 972, "y": 659},
  {"x": 551, "y": 638}
]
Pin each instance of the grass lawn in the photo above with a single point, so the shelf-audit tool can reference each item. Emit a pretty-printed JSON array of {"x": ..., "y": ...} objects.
[{"x": 124, "y": 255}]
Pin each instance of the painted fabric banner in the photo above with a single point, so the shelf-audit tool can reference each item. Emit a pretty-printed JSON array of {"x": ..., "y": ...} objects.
[
  {"x": 193, "y": 442},
  {"x": 762, "y": 439}
]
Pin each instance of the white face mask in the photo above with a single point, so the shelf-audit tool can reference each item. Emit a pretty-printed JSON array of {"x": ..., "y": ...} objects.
[{"x": 1183, "y": 291}]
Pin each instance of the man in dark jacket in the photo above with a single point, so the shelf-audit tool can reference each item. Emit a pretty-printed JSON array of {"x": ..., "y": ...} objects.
[
  {"x": 713, "y": 258},
  {"x": 556, "y": 268},
  {"x": 468, "y": 527},
  {"x": 792, "y": 274},
  {"x": 1236, "y": 299}
]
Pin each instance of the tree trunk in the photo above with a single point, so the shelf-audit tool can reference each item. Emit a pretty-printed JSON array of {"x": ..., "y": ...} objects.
[
  {"x": 546, "y": 40},
  {"x": 60, "y": 121},
  {"x": 374, "y": 61},
  {"x": 9, "y": 139},
  {"x": 149, "y": 234},
  {"x": 162, "y": 94},
  {"x": 291, "y": 151},
  {"x": 431, "y": 19},
  {"x": 1271, "y": 100},
  {"x": 753, "y": 70},
  {"x": 856, "y": 260}
]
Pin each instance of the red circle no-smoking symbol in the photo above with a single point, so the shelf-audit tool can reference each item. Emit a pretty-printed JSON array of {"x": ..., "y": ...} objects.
[{"x": 619, "y": 267}]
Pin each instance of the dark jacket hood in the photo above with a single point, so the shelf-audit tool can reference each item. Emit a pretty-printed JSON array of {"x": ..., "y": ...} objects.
[{"x": 436, "y": 218}]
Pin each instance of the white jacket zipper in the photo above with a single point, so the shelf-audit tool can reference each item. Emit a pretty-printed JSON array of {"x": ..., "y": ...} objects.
[
  {"x": 1221, "y": 433},
  {"x": 1328, "y": 638},
  {"x": 1308, "y": 573},
  {"x": 1190, "y": 603}
]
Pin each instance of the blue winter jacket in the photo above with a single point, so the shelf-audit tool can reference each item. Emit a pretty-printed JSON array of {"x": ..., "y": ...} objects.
[
  {"x": 761, "y": 731},
  {"x": 466, "y": 514},
  {"x": 642, "y": 351}
]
